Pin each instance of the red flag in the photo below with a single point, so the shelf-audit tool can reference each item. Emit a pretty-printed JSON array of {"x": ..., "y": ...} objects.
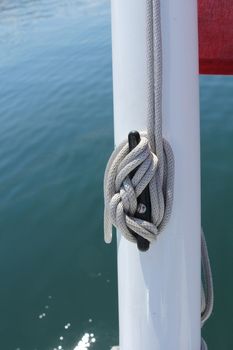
[{"x": 216, "y": 36}]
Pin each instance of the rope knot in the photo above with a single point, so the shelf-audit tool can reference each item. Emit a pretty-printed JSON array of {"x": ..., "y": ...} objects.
[{"x": 126, "y": 176}]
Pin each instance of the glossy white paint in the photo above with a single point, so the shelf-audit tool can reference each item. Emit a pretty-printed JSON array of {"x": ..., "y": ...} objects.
[{"x": 159, "y": 291}]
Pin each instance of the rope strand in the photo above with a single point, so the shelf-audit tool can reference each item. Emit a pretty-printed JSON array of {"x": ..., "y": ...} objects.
[{"x": 153, "y": 157}]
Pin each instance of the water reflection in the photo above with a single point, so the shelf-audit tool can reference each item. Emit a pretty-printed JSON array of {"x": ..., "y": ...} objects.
[
  {"x": 67, "y": 325},
  {"x": 86, "y": 341},
  {"x": 42, "y": 315}
]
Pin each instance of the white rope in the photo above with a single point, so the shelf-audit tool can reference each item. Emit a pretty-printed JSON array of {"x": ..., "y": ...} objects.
[
  {"x": 207, "y": 286},
  {"x": 153, "y": 158}
]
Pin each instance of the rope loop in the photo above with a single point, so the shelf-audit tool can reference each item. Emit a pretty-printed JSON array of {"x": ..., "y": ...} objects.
[{"x": 122, "y": 191}]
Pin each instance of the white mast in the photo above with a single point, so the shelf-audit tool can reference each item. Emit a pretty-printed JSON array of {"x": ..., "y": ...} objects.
[{"x": 159, "y": 291}]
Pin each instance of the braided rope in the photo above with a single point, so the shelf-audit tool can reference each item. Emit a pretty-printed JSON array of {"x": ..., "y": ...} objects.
[{"x": 153, "y": 158}]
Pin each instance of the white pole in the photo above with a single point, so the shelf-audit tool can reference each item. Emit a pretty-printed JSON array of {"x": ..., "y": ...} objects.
[{"x": 159, "y": 291}]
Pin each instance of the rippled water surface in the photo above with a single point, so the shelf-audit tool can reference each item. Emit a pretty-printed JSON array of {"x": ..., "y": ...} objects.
[{"x": 58, "y": 280}]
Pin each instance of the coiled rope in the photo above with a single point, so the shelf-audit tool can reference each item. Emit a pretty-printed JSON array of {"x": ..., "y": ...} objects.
[{"x": 154, "y": 160}]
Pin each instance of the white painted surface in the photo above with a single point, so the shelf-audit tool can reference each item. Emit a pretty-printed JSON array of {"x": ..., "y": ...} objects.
[{"x": 159, "y": 291}]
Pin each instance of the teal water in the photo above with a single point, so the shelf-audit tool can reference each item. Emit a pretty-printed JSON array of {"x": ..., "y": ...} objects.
[{"x": 58, "y": 279}]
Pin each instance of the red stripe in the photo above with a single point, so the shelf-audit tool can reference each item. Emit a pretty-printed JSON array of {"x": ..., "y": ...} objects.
[{"x": 216, "y": 36}]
